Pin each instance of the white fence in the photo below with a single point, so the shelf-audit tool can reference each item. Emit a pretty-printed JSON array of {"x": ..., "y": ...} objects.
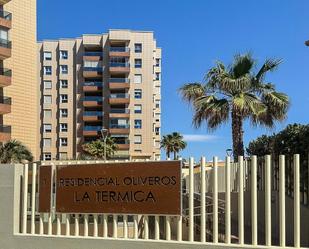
[{"x": 208, "y": 214}]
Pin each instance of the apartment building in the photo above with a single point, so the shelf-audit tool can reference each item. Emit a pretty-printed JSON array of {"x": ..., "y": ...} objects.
[
  {"x": 18, "y": 76},
  {"x": 109, "y": 81}
]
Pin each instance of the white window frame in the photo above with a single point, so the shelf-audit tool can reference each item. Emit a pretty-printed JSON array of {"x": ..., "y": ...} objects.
[
  {"x": 138, "y": 139},
  {"x": 47, "y": 97},
  {"x": 62, "y": 85},
  {"x": 47, "y": 84},
  {"x": 63, "y": 142},
  {"x": 64, "y": 98},
  {"x": 47, "y": 55},
  {"x": 47, "y": 156},
  {"x": 47, "y": 128},
  {"x": 45, "y": 144},
  {"x": 138, "y": 78},
  {"x": 48, "y": 72},
  {"x": 63, "y": 127},
  {"x": 62, "y": 53},
  {"x": 62, "y": 111},
  {"x": 64, "y": 69}
]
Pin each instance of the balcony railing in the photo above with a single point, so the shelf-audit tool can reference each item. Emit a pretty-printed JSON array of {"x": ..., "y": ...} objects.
[
  {"x": 119, "y": 49},
  {"x": 93, "y": 53},
  {"x": 119, "y": 110},
  {"x": 5, "y": 15},
  {"x": 94, "y": 69},
  {"x": 119, "y": 96},
  {"x": 5, "y": 100},
  {"x": 5, "y": 129},
  {"x": 5, "y": 43},
  {"x": 119, "y": 64},
  {"x": 6, "y": 72},
  {"x": 93, "y": 98},
  {"x": 119, "y": 80},
  {"x": 118, "y": 126},
  {"x": 92, "y": 128},
  {"x": 122, "y": 142},
  {"x": 98, "y": 83},
  {"x": 93, "y": 113}
]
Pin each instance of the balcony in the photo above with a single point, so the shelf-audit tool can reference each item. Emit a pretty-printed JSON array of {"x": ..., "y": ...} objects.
[
  {"x": 119, "y": 67},
  {"x": 91, "y": 131},
  {"x": 119, "y": 98},
  {"x": 5, "y": 19},
  {"x": 92, "y": 72},
  {"x": 5, "y": 77},
  {"x": 119, "y": 52},
  {"x": 123, "y": 146},
  {"x": 119, "y": 83},
  {"x": 119, "y": 113},
  {"x": 93, "y": 56},
  {"x": 5, "y": 105},
  {"x": 92, "y": 86},
  {"x": 5, "y": 49},
  {"x": 119, "y": 129},
  {"x": 92, "y": 101},
  {"x": 5, "y": 133},
  {"x": 92, "y": 116}
]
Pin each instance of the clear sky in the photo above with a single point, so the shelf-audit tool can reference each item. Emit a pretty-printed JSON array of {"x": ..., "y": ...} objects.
[{"x": 193, "y": 35}]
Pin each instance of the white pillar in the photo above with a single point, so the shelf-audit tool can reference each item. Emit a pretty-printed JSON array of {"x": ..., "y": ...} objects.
[
  {"x": 191, "y": 199},
  {"x": 282, "y": 199},
  {"x": 33, "y": 192},
  {"x": 228, "y": 200},
  {"x": 254, "y": 230},
  {"x": 203, "y": 200},
  {"x": 215, "y": 200},
  {"x": 268, "y": 200},
  {"x": 241, "y": 199},
  {"x": 25, "y": 198},
  {"x": 296, "y": 202}
]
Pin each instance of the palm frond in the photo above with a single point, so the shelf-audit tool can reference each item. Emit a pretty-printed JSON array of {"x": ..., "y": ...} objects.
[
  {"x": 242, "y": 65},
  {"x": 192, "y": 91},
  {"x": 269, "y": 66}
]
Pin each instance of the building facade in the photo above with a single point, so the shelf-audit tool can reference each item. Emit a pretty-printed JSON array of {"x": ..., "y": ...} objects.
[
  {"x": 18, "y": 76},
  {"x": 109, "y": 81}
]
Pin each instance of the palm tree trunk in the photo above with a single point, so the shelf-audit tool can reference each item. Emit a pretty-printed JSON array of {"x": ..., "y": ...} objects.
[
  {"x": 167, "y": 154},
  {"x": 175, "y": 155},
  {"x": 237, "y": 135}
]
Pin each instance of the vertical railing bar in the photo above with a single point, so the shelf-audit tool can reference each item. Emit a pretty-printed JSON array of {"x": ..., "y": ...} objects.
[
  {"x": 191, "y": 199},
  {"x": 241, "y": 199},
  {"x": 282, "y": 199},
  {"x": 296, "y": 202},
  {"x": 76, "y": 228},
  {"x": 58, "y": 230},
  {"x": 167, "y": 228},
  {"x": 254, "y": 199},
  {"x": 67, "y": 224},
  {"x": 95, "y": 225},
  {"x": 215, "y": 199},
  {"x": 115, "y": 225},
  {"x": 85, "y": 225},
  {"x": 157, "y": 227},
  {"x": 105, "y": 232},
  {"x": 25, "y": 198},
  {"x": 50, "y": 228},
  {"x": 33, "y": 193},
  {"x": 179, "y": 228},
  {"x": 203, "y": 200},
  {"x": 41, "y": 227},
  {"x": 125, "y": 226},
  {"x": 268, "y": 200},
  {"x": 135, "y": 220},
  {"x": 228, "y": 200},
  {"x": 146, "y": 227}
]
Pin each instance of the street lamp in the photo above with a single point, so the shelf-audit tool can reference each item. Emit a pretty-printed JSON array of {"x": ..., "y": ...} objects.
[
  {"x": 104, "y": 133},
  {"x": 229, "y": 152},
  {"x": 307, "y": 43}
]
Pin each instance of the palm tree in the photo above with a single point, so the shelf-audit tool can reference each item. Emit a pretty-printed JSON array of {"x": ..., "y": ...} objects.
[
  {"x": 96, "y": 148},
  {"x": 14, "y": 152},
  {"x": 173, "y": 143},
  {"x": 239, "y": 93}
]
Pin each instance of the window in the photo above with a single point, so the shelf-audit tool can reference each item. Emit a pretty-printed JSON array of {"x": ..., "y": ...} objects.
[
  {"x": 63, "y": 113},
  {"x": 63, "y": 156},
  {"x": 138, "y": 124},
  {"x": 47, "y": 99},
  {"x": 47, "y": 142},
  {"x": 138, "y": 63},
  {"x": 64, "y": 69},
  {"x": 63, "y": 141},
  {"x": 63, "y": 54},
  {"x": 63, "y": 98},
  {"x": 157, "y": 131},
  {"x": 138, "y": 93},
  {"x": 138, "y": 151},
  {"x": 137, "y": 108},
  {"x": 92, "y": 64},
  {"x": 47, "y": 128},
  {"x": 47, "y": 70},
  {"x": 157, "y": 144},
  {"x": 47, "y": 113},
  {"x": 63, "y": 84},
  {"x": 157, "y": 62},
  {"x": 47, "y": 56},
  {"x": 137, "y": 139},
  {"x": 47, "y": 156},
  {"x": 137, "y": 78},
  {"x": 138, "y": 47},
  {"x": 4, "y": 35},
  {"x": 63, "y": 127},
  {"x": 47, "y": 84},
  {"x": 157, "y": 76},
  {"x": 157, "y": 103}
]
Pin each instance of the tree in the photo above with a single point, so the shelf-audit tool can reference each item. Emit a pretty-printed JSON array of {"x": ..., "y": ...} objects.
[
  {"x": 15, "y": 152},
  {"x": 96, "y": 148},
  {"x": 237, "y": 92},
  {"x": 173, "y": 143}
]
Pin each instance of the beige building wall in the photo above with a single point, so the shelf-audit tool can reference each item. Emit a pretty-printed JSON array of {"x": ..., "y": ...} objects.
[
  {"x": 150, "y": 87},
  {"x": 23, "y": 89}
]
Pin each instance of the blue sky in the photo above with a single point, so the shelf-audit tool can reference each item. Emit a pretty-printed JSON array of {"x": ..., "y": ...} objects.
[{"x": 193, "y": 35}]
